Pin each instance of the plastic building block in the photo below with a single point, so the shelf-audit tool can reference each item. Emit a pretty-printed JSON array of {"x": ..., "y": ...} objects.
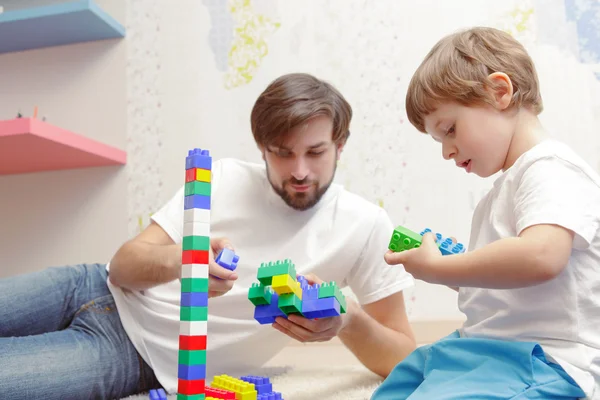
[
  {"x": 267, "y": 271},
  {"x": 331, "y": 289},
  {"x": 266, "y": 314},
  {"x": 243, "y": 390},
  {"x": 219, "y": 393},
  {"x": 259, "y": 294},
  {"x": 321, "y": 308},
  {"x": 190, "y": 387},
  {"x": 189, "y": 285},
  {"x": 193, "y": 313},
  {"x": 197, "y": 187},
  {"x": 198, "y": 158},
  {"x": 289, "y": 303},
  {"x": 262, "y": 384},
  {"x": 284, "y": 284},
  {"x": 196, "y": 243},
  {"x": 446, "y": 245},
  {"x": 196, "y": 201},
  {"x": 194, "y": 257},
  {"x": 192, "y": 328},
  {"x": 194, "y": 299},
  {"x": 191, "y": 372},
  {"x": 404, "y": 239},
  {"x": 192, "y": 342},
  {"x": 158, "y": 394},
  {"x": 227, "y": 259}
]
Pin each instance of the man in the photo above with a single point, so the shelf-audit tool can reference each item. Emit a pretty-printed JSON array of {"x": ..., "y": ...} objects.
[{"x": 286, "y": 209}]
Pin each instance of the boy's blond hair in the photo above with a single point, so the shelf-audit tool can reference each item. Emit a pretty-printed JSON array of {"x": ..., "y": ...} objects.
[{"x": 457, "y": 68}]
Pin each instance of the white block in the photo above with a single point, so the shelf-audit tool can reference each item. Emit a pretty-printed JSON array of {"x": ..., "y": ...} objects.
[
  {"x": 193, "y": 328},
  {"x": 194, "y": 271},
  {"x": 196, "y": 229},
  {"x": 196, "y": 215}
]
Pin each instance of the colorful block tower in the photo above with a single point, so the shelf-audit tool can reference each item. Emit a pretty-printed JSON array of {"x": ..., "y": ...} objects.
[
  {"x": 281, "y": 292},
  {"x": 404, "y": 239},
  {"x": 194, "y": 276}
]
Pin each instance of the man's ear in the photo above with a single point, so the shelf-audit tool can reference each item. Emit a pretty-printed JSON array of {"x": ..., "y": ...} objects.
[
  {"x": 339, "y": 147},
  {"x": 501, "y": 89}
]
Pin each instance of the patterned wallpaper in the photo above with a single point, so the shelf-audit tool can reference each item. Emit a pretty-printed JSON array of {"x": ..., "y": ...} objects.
[{"x": 369, "y": 51}]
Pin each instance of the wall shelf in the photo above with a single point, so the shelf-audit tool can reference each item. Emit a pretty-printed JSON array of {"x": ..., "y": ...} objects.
[
  {"x": 56, "y": 25},
  {"x": 31, "y": 145}
]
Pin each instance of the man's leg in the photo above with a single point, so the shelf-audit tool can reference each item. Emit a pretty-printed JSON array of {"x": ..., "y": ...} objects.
[
  {"x": 478, "y": 369},
  {"x": 92, "y": 358},
  {"x": 46, "y": 301}
]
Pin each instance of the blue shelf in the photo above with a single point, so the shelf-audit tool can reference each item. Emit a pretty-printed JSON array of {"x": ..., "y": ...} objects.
[{"x": 56, "y": 25}]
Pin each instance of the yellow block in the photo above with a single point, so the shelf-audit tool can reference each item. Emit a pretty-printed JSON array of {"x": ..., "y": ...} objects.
[
  {"x": 243, "y": 390},
  {"x": 203, "y": 175},
  {"x": 284, "y": 284}
]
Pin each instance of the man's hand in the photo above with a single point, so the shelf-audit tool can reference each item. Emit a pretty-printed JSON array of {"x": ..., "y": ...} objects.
[
  {"x": 220, "y": 280},
  {"x": 306, "y": 330},
  {"x": 422, "y": 263}
]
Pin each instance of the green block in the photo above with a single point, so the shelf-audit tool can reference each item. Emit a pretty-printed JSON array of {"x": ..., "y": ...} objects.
[
  {"x": 189, "y": 285},
  {"x": 290, "y": 304},
  {"x": 190, "y": 397},
  {"x": 193, "y": 314},
  {"x": 267, "y": 271},
  {"x": 404, "y": 239},
  {"x": 192, "y": 357},
  {"x": 197, "y": 187},
  {"x": 331, "y": 289},
  {"x": 196, "y": 243},
  {"x": 259, "y": 294}
]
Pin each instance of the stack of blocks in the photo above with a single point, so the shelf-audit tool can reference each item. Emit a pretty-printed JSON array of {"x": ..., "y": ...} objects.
[
  {"x": 194, "y": 277},
  {"x": 405, "y": 239},
  {"x": 281, "y": 293},
  {"x": 225, "y": 387}
]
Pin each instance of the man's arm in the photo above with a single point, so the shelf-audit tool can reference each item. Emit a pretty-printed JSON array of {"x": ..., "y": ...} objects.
[
  {"x": 152, "y": 258},
  {"x": 379, "y": 333}
]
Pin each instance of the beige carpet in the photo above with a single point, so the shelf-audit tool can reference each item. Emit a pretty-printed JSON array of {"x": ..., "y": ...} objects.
[{"x": 323, "y": 372}]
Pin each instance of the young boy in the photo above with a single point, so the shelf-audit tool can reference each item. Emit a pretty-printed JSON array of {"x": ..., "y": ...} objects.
[{"x": 530, "y": 282}]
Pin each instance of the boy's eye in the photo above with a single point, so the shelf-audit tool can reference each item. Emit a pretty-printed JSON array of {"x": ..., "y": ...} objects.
[{"x": 450, "y": 131}]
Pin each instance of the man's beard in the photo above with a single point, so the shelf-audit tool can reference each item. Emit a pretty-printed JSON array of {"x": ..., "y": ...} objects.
[{"x": 300, "y": 201}]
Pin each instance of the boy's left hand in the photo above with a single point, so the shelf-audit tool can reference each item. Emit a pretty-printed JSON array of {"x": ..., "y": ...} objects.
[
  {"x": 307, "y": 330},
  {"x": 422, "y": 263}
]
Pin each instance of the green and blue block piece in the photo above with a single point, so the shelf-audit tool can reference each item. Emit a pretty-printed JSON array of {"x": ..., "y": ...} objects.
[
  {"x": 263, "y": 387},
  {"x": 404, "y": 239}
]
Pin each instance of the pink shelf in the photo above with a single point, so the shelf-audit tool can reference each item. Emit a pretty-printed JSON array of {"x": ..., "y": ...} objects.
[{"x": 31, "y": 145}]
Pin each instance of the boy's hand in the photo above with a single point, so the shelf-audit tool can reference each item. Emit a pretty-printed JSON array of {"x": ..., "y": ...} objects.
[
  {"x": 422, "y": 263},
  {"x": 307, "y": 330},
  {"x": 218, "y": 287}
]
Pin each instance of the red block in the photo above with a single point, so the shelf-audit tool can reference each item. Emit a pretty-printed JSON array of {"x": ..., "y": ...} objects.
[
  {"x": 219, "y": 393},
  {"x": 194, "y": 257},
  {"x": 190, "y": 174},
  {"x": 190, "y": 387},
  {"x": 192, "y": 342}
]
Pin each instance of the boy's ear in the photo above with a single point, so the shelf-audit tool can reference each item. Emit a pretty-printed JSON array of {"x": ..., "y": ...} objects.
[{"x": 501, "y": 89}]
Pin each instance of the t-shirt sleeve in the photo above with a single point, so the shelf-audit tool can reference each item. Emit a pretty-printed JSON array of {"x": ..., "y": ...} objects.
[
  {"x": 170, "y": 216},
  {"x": 556, "y": 191},
  {"x": 372, "y": 279}
]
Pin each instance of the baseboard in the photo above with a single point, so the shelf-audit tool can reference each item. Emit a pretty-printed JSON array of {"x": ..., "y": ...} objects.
[{"x": 425, "y": 332}]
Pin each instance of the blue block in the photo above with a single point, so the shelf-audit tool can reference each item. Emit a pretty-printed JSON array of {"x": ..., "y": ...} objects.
[
  {"x": 266, "y": 313},
  {"x": 194, "y": 299},
  {"x": 261, "y": 383},
  {"x": 269, "y": 396},
  {"x": 196, "y": 201},
  {"x": 158, "y": 394},
  {"x": 198, "y": 158},
  {"x": 321, "y": 308},
  {"x": 303, "y": 282},
  {"x": 56, "y": 25},
  {"x": 311, "y": 292},
  {"x": 191, "y": 372},
  {"x": 227, "y": 259},
  {"x": 446, "y": 245}
]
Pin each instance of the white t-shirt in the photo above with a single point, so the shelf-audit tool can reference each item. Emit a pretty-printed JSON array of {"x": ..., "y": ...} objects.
[
  {"x": 549, "y": 184},
  {"x": 343, "y": 238}
]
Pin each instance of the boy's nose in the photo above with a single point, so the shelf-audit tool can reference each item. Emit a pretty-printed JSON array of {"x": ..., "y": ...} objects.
[{"x": 448, "y": 152}]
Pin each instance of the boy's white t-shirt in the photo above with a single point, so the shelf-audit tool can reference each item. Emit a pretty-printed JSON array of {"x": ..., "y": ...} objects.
[
  {"x": 343, "y": 239},
  {"x": 549, "y": 184}
]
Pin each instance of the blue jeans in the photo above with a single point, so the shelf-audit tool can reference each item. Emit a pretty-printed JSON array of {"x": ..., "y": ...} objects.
[{"x": 61, "y": 338}]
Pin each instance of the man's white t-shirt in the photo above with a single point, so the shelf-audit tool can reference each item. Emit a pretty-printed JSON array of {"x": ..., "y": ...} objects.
[
  {"x": 549, "y": 184},
  {"x": 343, "y": 239}
]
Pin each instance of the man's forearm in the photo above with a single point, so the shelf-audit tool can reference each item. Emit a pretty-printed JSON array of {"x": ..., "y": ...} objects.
[
  {"x": 378, "y": 347},
  {"x": 140, "y": 265}
]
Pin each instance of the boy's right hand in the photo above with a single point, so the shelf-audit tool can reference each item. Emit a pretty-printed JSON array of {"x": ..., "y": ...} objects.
[{"x": 218, "y": 287}]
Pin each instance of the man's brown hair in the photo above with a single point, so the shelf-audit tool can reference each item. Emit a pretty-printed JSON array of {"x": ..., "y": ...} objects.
[
  {"x": 292, "y": 100},
  {"x": 456, "y": 69}
]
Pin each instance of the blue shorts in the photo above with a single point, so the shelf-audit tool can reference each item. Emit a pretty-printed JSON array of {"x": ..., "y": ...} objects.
[{"x": 477, "y": 369}]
